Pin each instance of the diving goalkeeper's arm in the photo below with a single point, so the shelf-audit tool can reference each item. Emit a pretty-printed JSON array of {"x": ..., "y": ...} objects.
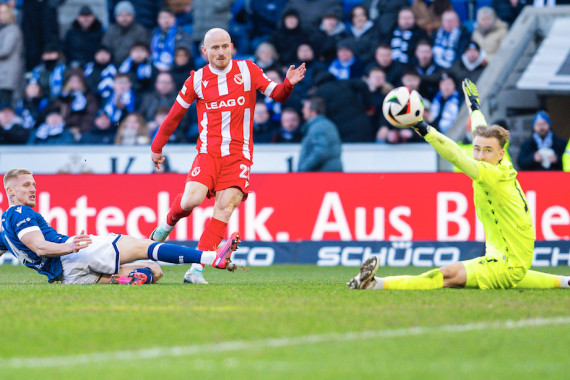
[{"x": 446, "y": 147}]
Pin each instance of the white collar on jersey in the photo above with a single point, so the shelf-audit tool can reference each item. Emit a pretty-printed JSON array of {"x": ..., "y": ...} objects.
[{"x": 220, "y": 72}]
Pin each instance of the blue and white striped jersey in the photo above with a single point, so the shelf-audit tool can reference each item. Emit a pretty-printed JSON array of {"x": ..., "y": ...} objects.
[{"x": 19, "y": 220}]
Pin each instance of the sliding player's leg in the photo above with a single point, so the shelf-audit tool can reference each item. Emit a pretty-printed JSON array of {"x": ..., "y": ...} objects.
[{"x": 540, "y": 280}]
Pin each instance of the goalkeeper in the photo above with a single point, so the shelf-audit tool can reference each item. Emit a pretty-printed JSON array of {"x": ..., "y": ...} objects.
[{"x": 501, "y": 206}]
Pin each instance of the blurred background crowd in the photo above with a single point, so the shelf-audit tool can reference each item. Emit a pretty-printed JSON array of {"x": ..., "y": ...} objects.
[{"x": 112, "y": 73}]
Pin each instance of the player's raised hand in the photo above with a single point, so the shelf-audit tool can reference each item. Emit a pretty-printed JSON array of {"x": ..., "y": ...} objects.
[
  {"x": 471, "y": 95},
  {"x": 157, "y": 159},
  {"x": 295, "y": 75}
]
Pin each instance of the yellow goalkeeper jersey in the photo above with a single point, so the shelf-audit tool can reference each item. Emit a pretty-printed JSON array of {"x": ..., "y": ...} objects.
[
  {"x": 499, "y": 202},
  {"x": 502, "y": 208}
]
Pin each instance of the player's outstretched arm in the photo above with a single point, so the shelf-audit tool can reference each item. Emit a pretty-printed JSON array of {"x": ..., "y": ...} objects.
[
  {"x": 473, "y": 104},
  {"x": 448, "y": 149}
]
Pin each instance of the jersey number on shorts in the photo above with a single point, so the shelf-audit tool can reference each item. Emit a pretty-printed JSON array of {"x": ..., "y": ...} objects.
[{"x": 244, "y": 174}]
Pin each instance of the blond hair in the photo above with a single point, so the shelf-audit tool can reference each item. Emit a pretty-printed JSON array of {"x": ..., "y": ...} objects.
[
  {"x": 496, "y": 131},
  {"x": 14, "y": 173}
]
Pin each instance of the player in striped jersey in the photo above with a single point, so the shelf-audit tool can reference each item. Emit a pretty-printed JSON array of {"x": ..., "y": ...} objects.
[{"x": 225, "y": 93}]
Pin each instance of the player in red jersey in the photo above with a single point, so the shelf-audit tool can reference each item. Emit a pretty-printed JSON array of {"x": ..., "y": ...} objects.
[{"x": 225, "y": 93}]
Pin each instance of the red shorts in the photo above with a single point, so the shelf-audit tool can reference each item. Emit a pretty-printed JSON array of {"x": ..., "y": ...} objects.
[{"x": 220, "y": 173}]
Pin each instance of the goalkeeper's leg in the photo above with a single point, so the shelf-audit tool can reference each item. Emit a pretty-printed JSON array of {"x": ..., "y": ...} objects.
[
  {"x": 540, "y": 280},
  {"x": 451, "y": 276}
]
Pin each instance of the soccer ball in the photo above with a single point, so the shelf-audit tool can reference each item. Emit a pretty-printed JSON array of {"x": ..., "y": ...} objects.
[{"x": 402, "y": 107}]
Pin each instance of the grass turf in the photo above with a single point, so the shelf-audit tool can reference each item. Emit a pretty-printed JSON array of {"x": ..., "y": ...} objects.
[{"x": 60, "y": 322}]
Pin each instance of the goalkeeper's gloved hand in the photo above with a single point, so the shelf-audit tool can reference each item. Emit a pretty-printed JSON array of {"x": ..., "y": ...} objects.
[
  {"x": 471, "y": 95},
  {"x": 422, "y": 127}
]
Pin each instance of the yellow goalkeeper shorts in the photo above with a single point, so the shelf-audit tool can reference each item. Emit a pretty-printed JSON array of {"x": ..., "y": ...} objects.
[{"x": 491, "y": 273}]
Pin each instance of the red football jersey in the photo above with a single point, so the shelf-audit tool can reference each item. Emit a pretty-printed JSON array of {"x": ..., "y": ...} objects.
[{"x": 225, "y": 102}]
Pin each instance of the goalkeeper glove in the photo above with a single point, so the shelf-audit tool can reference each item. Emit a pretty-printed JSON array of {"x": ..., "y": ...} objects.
[
  {"x": 471, "y": 95},
  {"x": 422, "y": 127}
]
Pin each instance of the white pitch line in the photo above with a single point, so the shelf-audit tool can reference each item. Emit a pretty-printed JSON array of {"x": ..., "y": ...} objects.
[{"x": 162, "y": 352}]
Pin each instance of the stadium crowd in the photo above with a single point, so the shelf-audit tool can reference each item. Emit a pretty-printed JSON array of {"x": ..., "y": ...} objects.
[{"x": 115, "y": 85}]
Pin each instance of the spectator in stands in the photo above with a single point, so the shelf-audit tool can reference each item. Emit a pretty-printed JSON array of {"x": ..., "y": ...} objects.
[
  {"x": 428, "y": 16},
  {"x": 164, "y": 95},
  {"x": 120, "y": 37},
  {"x": 411, "y": 79},
  {"x": 153, "y": 125},
  {"x": 346, "y": 65},
  {"x": 100, "y": 73},
  {"x": 166, "y": 38},
  {"x": 306, "y": 55},
  {"x": 508, "y": 10},
  {"x": 288, "y": 36},
  {"x": 102, "y": 131},
  {"x": 326, "y": 37},
  {"x": 321, "y": 145},
  {"x": 209, "y": 14},
  {"x": 183, "y": 65},
  {"x": 83, "y": 38},
  {"x": 266, "y": 57},
  {"x": 383, "y": 59},
  {"x": 263, "y": 126},
  {"x": 348, "y": 103},
  {"x": 138, "y": 65},
  {"x": 489, "y": 31},
  {"x": 40, "y": 28},
  {"x": 53, "y": 130},
  {"x": 362, "y": 34},
  {"x": 405, "y": 37},
  {"x": 132, "y": 131},
  {"x": 50, "y": 73},
  {"x": 544, "y": 150},
  {"x": 290, "y": 127},
  {"x": 445, "y": 105},
  {"x": 450, "y": 40},
  {"x": 122, "y": 100},
  {"x": 32, "y": 104},
  {"x": 11, "y": 55},
  {"x": 147, "y": 10},
  {"x": 12, "y": 130},
  {"x": 379, "y": 88},
  {"x": 311, "y": 12},
  {"x": 472, "y": 63},
  {"x": 428, "y": 70},
  {"x": 78, "y": 106},
  {"x": 384, "y": 14},
  {"x": 263, "y": 17}
]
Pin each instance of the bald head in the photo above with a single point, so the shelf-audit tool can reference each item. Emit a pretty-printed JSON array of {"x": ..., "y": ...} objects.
[
  {"x": 218, "y": 48},
  {"x": 214, "y": 34}
]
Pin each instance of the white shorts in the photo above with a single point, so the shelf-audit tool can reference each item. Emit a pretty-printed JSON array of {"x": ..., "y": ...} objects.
[{"x": 88, "y": 264}]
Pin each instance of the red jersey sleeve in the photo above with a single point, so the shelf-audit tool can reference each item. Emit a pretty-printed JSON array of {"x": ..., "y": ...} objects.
[
  {"x": 185, "y": 97},
  {"x": 277, "y": 92}
]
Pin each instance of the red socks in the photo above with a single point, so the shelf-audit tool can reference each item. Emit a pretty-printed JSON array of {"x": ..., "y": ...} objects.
[
  {"x": 212, "y": 235},
  {"x": 176, "y": 212}
]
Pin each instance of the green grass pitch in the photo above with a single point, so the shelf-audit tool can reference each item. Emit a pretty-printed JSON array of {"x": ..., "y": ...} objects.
[{"x": 279, "y": 322}]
